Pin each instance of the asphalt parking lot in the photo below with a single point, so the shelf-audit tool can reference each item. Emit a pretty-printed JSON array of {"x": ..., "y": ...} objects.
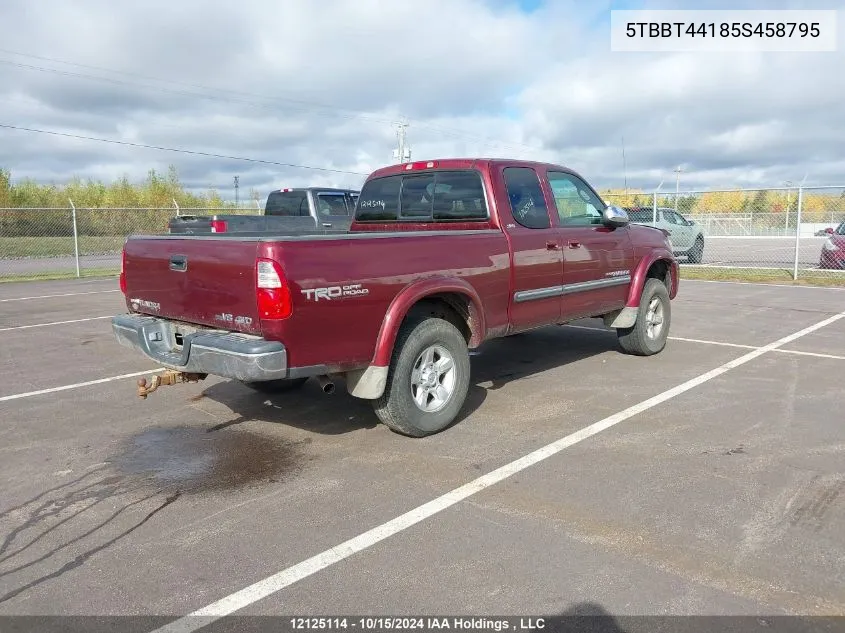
[{"x": 709, "y": 479}]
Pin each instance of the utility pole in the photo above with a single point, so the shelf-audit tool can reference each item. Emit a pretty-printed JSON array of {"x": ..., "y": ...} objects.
[
  {"x": 678, "y": 170},
  {"x": 237, "y": 197},
  {"x": 625, "y": 170},
  {"x": 788, "y": 183},
  {"x": 403, "y": 153}
]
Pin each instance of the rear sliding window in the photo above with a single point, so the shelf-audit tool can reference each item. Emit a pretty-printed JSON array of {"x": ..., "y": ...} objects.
[
  {"x": 287, "y": 203},
  {"x": 438, "y": 196}
]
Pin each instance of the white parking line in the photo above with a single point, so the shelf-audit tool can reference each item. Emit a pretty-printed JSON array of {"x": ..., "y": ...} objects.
[
  {"x": 66, "y": 294},
  {"x": 291, "y": 575},
  {"x": 26, "y": 327},
  {"x": 813, "y": 354},
  {"x": 41, "y": 392},
  {"x": 758, "y": 284},
  {"x": 720, "y": 343}
]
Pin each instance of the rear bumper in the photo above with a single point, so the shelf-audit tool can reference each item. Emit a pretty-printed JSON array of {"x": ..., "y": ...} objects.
[{"x": 218, "y": 353}]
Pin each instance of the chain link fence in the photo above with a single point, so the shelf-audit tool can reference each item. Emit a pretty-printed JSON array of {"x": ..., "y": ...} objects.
[
  {"x": 798, "y": 230},
  {"x": 50, "y": 243}
]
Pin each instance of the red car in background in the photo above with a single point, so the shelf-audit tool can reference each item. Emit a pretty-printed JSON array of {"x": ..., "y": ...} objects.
[{"x": 833, "y": 249}]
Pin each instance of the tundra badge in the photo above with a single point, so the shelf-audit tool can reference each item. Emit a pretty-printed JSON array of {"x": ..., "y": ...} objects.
[{"x": 143, "y": 303}]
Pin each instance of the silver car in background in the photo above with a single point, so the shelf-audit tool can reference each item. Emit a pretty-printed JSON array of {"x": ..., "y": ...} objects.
[{"x": 686, "y": 236}]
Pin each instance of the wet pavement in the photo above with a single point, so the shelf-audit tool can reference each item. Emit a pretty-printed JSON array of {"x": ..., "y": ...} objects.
[{"x": 729, "y": 498}]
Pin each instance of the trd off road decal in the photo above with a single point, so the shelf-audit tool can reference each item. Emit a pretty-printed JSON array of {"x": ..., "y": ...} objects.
[{"x": 334, "y": 292}]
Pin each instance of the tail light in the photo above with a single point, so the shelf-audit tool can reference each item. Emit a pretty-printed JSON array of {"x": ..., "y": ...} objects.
[
  {"x": 122, "y": 277},
  {"x": 218, "y": 226},
  {"x": 273, "y": 292}
]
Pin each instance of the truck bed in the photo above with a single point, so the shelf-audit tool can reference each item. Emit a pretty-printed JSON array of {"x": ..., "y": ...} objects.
[{"x": 340, "y": 293}]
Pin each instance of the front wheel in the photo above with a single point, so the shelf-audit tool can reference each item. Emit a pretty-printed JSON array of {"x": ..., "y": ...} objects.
[
  {"x": 428, "y": 378},
  {"x": 648, "y": 335},
  {"x": 696, "y": 253}
]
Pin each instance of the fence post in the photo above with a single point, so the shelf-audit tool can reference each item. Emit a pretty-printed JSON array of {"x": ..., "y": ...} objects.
[
  {"x": 798, "y": 231},
  {"x": 175, "y": 204},
  {"x": 75, "y": 236},
  {"x": 654, "y": 206}
]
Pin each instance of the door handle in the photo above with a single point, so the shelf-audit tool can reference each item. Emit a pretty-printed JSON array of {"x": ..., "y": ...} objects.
[
  {"x": 574, "y": 244},
  {"x": 327, "y": 225},
  {"x": 552, "y": 246}
]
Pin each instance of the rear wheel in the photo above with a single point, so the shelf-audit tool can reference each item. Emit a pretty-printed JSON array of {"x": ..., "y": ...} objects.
[
  {"x": 696, "y": 253},
  {"x": 428, "y": 378},
  {"x": 648, "y": 335},
  {"x": 276, "y": 386}
]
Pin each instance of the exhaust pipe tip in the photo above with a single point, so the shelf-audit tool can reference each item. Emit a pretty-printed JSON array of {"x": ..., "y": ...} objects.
[{"x": 326, "y": 384}]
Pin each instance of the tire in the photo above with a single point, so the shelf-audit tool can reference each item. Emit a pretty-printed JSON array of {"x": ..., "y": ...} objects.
[
  {"x": 396, "y": 408},
  {"x": 282, "y": 385},
  {"x": 637, "y": 340},
  {"x": 696, "y": 253}
]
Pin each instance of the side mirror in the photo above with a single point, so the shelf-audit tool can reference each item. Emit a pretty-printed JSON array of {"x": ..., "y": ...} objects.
[
  {"x": 829, "y": 231},
  {"x": 615, "y": 216}
]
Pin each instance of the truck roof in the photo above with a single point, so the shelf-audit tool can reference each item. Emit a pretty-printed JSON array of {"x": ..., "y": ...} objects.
[
  {"x": 465, "y": 163},
  {"x": 286, "y": 189}
]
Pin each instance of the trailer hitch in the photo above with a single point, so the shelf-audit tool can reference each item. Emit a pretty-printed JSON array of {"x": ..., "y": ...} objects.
[{"x": 168, "y": 377}]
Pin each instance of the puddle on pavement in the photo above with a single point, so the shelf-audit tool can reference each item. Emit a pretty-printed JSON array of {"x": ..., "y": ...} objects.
[{"x": 194, "y": 460}]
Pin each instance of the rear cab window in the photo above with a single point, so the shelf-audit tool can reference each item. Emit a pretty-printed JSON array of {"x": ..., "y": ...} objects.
[
  {"x": 287, "y": 203},
  {"x": 430, "y": 196},
  {"x": 525, "y": 197}
]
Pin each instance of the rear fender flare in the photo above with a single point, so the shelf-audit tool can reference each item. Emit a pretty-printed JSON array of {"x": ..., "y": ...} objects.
[
  {"x": 369, "y": 382},
  {"x": 409, "y": 296}
]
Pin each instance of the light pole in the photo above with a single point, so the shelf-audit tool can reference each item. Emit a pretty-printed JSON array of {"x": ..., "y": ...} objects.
[
  {"x": 787, "y": 183},
  {"x": 678, "y": 171}
]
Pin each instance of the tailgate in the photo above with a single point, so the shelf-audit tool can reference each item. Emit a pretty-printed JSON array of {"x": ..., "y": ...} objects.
[{"x": 194, "y": 279}]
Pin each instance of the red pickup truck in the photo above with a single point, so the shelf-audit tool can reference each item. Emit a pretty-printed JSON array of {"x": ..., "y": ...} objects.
[{"x": 440, "y": 257}]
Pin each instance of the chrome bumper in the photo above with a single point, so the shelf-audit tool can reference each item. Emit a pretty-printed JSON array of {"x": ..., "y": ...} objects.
[{"x": 218, "y": 353}]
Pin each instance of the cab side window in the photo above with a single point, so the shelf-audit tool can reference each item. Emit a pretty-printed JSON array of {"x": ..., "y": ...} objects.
[
  {"x": 674, "y": 218},
  {"x": 576, "y": 203},
  {"x": 525, "y": 196},
  {"x": 332, "y": 204}
]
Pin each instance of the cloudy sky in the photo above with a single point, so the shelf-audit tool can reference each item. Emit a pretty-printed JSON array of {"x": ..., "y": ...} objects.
[{"x": 321, "y": 83}]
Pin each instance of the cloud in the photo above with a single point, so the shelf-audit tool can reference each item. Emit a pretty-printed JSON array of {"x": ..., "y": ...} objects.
[{"x": 321, "y": 84}]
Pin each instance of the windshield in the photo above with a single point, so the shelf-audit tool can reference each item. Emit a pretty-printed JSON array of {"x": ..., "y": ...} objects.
[
  {"x": 840, "y": 230},
  {"x": 287, "y": 203}
]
